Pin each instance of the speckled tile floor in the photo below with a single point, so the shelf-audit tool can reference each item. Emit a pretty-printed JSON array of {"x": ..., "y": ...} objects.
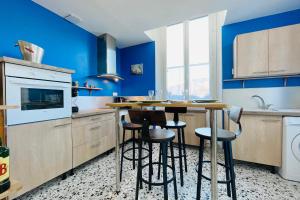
[{"x": 95, "y": 180}]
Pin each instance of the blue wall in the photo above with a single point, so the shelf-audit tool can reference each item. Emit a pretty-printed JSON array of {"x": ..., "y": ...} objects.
[
  {"x": 138, "y": 85},
  {"x": 268, "y": 22},
  {"x": 66, "y": 45}
]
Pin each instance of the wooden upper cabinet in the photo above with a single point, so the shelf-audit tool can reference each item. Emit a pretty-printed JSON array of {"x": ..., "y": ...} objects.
[
  {"x": 284, "y": 50},
  {"x": 251, "y": 54}
]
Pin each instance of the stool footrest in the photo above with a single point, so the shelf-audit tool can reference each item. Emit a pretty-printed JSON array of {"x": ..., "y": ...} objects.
[
  {"x": 209, "y": 179},
  {"x": 160, "y": 183},
  {"x": 135, "y": 159}
]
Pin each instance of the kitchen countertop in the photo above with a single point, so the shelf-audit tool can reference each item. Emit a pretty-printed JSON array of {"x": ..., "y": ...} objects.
[
  {"x": 35, "y": 65},
  {"x": 87, "y": 113},
  {"x": 276, "y": 112}
]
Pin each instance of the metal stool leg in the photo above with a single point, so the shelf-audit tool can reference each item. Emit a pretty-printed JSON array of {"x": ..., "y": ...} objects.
[
  {"x": 200, "y": 164},
  {"x": 180, "y": 156},
  {"x": 150, "y": 166},
  {"x": 227, "y": 167},
  {"x": 133, "y": 150},
  {"x": 232, "y": 175},
  {"x": 122, "y": 154},
  {"x": 139, "y": 171},
  {"x": 184, "y": 149},
  {"x": 165, "y": 163},
  {"x": 174, "y": 170},
  {"x": 159, "y": 162}
]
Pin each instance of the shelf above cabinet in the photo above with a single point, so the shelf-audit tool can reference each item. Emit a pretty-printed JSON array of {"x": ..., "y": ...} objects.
[
  {"x": 87, "y": 88},
  {"x": 285, "y": 78}
]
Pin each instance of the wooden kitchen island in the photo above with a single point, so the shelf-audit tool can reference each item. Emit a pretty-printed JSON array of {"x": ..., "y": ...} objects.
[{"x": 211, "y": 107}]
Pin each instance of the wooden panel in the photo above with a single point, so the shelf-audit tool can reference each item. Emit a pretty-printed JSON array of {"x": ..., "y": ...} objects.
[
  {"x": 193, "y": 120},
  {"x": 260, "y": 141},
  {"x": 77, "y": 122},
  {"x": 40, "y": 153},
  {"x": 251, "y": 55},
  {"x": 284, "y": 50},
  {"x": 92, "y": 139}
]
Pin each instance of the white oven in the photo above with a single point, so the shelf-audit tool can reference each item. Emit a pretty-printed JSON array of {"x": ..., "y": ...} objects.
[{"x": 40, "y": 94}]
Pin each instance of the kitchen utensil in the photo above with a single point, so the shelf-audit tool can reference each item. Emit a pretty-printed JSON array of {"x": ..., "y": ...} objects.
[{"x": 30, "y": 51}]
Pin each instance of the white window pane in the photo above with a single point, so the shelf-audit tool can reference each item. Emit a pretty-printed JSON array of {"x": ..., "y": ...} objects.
[
  {"x": 199, "y": 41},
  {"x": 199, "y": 81},
  {"x": 175, "y": 45},
  {"x": 175, "y": 83}
]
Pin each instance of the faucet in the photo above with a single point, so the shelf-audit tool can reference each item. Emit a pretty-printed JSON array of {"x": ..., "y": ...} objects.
[{"x": 263, "y": 106}]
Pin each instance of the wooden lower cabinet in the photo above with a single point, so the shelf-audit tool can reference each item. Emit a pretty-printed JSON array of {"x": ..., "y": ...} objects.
[
  {"x": 193, "y": 119},
  {"x": 39, "y": 152},
  {"x": 260, "y": 141},
  {"x": 92, "y": 136}
]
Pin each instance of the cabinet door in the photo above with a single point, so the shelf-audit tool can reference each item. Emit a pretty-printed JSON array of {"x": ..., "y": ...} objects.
[
  {"x": 284, "y": 50},
  {"x": 92, "y": 138},
  {"x": 251, "y": 55},
  {"x": 260, "y": 141},
  {"x": 39, "y": 152},
  {"x": 193, "y": 120}
]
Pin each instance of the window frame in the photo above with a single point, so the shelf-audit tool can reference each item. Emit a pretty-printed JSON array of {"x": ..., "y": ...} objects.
[{"x": 186, "y": 64}]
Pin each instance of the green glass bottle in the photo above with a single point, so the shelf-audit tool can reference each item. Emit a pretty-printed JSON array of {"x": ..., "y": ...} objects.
[{"x": 4, "y": 168}]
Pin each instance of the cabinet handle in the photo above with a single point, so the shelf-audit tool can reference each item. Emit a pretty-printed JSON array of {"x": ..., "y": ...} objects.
[
  {"x": 95, "y": 128},
  {"x": 280, "y": 70},
  {"x": 95, "y": 145},
  {"x": 61, "y": 125},
  {"x": 262, "y": 72},
  {"x": 271, "y": 120},
  {"x": 97, "y": 118}
]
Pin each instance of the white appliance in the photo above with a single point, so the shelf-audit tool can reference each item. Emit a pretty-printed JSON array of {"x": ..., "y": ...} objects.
[
  {"x": 40, "y": 94},
  {"x": 290, "y": 168}
]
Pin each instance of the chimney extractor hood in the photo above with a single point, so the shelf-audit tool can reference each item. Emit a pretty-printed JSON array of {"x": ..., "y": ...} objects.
[{"x": 107, "y": 59}]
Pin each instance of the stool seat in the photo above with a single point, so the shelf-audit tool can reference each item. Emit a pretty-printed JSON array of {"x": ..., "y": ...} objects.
[
  {"x": 160, "y": 135},
  {"x": 175, "y": 124},
  {"x": 223, "y": 135},
  {"x": 132, "y": 126}
]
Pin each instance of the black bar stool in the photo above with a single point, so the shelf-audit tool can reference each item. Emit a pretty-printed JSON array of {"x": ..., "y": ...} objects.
[
  {"x": 133, "y": 128},
  {"x": 179, "y": 126},
  {"x": 163, "y": 137},
  {"x": 226, "y": 137}
]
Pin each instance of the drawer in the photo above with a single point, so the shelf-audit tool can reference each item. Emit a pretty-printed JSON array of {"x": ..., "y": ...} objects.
[
  {"x": 35, "y": 73},
  {"x": 92, "y": 119},
  {"x": 93, "y": 131},
  {"x": 87, "y": 151}
]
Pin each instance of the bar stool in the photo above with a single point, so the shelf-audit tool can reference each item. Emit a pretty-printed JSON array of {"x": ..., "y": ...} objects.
[
  {"x": 163, "y": 137},
  {"x": 133, "y": 128},
  {"x": 179, "y": 126},
  {"x": 226, "y": 137}
]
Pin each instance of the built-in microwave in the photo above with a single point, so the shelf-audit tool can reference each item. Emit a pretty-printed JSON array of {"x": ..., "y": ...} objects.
[{"x": 38, "y": 99}]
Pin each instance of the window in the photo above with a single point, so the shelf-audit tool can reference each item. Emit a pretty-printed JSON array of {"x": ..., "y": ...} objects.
[{"x": 188, "y": 60}]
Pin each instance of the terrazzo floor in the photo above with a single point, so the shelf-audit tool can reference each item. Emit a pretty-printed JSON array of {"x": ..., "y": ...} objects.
[{"x": 95, "y": 180}]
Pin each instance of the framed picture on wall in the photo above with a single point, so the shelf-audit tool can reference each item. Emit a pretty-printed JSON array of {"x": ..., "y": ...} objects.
[{"x": 137, "y": 69}]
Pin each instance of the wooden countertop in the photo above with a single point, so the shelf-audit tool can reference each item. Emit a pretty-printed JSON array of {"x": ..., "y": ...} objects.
[
  {"x": 15, "y": 186},
  {"x": 279, "y": 112},
  {"x": 5, "y": 107},
  {"x": 87, "y": 113},
  {"x": 215, "y": 106},
  {"x": 35, "y": 65}
]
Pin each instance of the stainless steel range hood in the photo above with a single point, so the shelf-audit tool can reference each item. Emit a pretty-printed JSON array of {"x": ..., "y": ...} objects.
[{"x": 107, "y": 59}]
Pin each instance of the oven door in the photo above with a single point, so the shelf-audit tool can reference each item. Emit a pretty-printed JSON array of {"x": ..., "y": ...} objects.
[{"x": 38, "y": 100}]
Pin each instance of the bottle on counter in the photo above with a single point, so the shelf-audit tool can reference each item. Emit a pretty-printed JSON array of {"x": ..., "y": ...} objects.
[{"x": 4, "y": 168}]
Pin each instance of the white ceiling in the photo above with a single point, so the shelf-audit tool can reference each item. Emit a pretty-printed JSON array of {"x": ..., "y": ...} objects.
[{"x": 127, "y": 20}]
